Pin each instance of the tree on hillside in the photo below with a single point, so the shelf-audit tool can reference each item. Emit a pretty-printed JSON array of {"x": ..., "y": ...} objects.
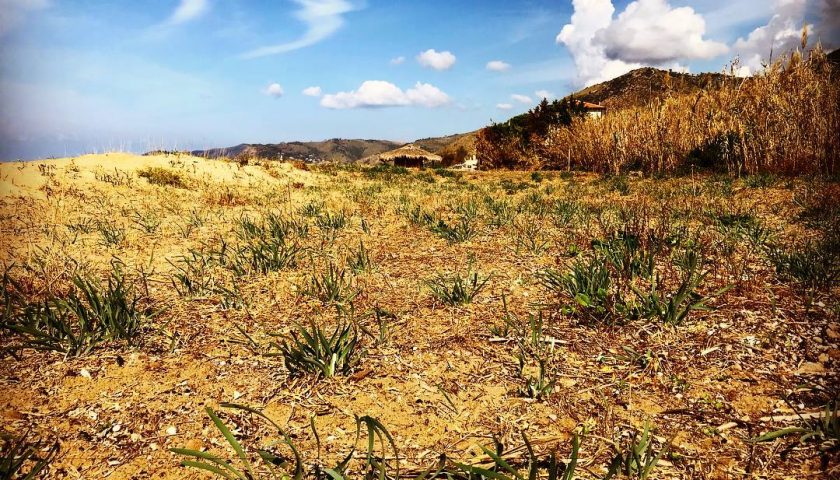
[
  {"x": 499, "y": 146},
  {"x": 515, "y": 143},
  {"x": 450, "y": 158}
]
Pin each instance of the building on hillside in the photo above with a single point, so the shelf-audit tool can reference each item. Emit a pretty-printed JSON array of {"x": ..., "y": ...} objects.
[
  {"x": 409, "y": 156},
  {"x": 470, "y": 163},
  {"x": 594, "y": 110}
]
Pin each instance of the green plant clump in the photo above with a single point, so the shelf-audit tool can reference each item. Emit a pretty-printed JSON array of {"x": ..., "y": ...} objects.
[
  {"x": 92, "y": 313},
  {"x": 163, "y": 176},
  {"x": 457, "y": 289},
  {"x": 313, "y": 351}
]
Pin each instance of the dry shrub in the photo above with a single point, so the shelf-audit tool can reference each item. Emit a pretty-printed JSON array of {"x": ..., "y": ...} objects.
[
  {"x": 225, "y": 196},
  {"x": 163, "y": 176},
  {"x": 785, "y": 120}
]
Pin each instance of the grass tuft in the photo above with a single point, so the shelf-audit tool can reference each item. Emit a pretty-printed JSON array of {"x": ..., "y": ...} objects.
[
  {"x": 313, "y": 351},
  {"x": 457, "y": 289}
]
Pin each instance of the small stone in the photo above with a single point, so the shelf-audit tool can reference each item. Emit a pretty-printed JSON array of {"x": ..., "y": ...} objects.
[
  {"x": 85, "y": 373},
  {"x": 171, "y": 430},
  {"x": 194, "y": 444},
  {"x": 13, "y": 415},
  {"x": 811, "y": 367}
]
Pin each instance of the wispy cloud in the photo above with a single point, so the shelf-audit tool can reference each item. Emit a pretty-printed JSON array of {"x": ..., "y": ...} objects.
[
  {"x": 398, "y": 60},
  {"x": 188, "y": 10},
  {"x": 522, "y": 98},
  {"x": 544, "y": 94},
  {"x": 379, "y": 93},
  {"x": 433, "y": 59},
  {"x": 504, "y": 106},
  {"x": 498, "y": 66},
  {"x": 13, "y": 12},
  {"x": 322, "y": 18}
]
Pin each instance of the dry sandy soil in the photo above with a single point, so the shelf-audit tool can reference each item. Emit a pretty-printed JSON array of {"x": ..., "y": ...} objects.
[{"x": 440, "y": 380}]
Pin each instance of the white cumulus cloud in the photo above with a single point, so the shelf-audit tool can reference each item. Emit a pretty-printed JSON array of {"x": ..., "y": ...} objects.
[
  {"x": 522, "y": 98},
  {"x": 322, "y": 19},
  {"x": 544, "y": 94},
  {"x": 379, "y": 93},
  {"x": 436, "y": 60},
  {"x": 781, "y": 35},
  {"x": 647, "y": 32},
  {"x": 504, "y": 106},
  {"x": 13, "y": 12},
  {"x": 312, "y": 91},
  {"x": 498, "y": 66},
  {"x": 274, "y": 90},
  {"x": 652, "y": 32},
  {"x": 398, "y": 60}
]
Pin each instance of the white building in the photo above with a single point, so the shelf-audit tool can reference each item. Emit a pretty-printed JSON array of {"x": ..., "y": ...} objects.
[
  {"x": 470, "y": 163},
  {"x": 593, "y": 110}
]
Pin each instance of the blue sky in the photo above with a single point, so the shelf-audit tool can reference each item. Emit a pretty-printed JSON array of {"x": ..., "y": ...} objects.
[{"x": 81, "y": 76}]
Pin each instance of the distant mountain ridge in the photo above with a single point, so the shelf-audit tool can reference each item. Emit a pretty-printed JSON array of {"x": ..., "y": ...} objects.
[
  {"x": 334, "y": 150},
  {"x": 338, "y": 149}
]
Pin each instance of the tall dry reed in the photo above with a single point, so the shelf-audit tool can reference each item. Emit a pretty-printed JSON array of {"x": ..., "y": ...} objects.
[{"x": 784, "y": 120}]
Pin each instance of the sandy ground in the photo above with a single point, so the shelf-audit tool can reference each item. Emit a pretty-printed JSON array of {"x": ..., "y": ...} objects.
[{"x": 441, "y": 383}]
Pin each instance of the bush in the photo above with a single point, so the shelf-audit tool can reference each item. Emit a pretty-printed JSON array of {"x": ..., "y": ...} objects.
[
  {"x": 163, "y": 176},
  {"x": 456, "y": 289},
  {"x": 92, "y": 313},
  {"x": 24, "y": 459},
  {"x": 815, "y": 265},
  {"x": 333, "y": 285},
  {"x": 312, "y": 351},
  {"x": 588, "y": 284},
  {"x": 385, "y": 171}
]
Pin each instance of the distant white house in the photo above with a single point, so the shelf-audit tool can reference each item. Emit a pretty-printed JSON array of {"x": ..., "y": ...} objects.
[
  {"x": 594, "y": 110},
  {"x": 470, "y": 163}
]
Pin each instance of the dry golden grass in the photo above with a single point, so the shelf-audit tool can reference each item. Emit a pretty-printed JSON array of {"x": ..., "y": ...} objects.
[
  {"x": 784, "y": 120},
  {"x": 442, "y": 378}
]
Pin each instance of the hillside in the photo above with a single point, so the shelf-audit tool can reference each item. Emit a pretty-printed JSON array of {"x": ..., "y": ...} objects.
[
  {"x": 438, "y": 144},
  {"x": 661, "y": 122},
  {"x": 634, "y": 88},
  {"x": 336, "y": 149},
  {"x": 641, "y": 86}
]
